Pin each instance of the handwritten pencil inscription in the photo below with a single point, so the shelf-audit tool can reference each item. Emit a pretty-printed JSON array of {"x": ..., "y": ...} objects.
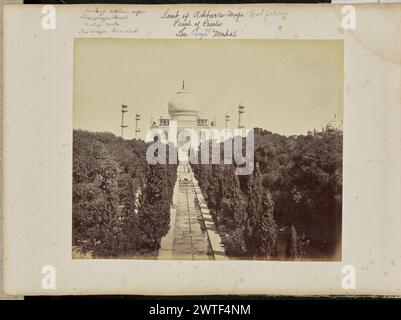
[{"x": 183, "y": 22}]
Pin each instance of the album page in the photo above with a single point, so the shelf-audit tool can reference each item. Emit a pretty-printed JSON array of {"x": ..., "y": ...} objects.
[{"x": 202, "y": 149}]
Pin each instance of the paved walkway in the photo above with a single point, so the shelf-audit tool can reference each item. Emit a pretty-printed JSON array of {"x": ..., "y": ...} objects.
[{"x": 187, "y": 238}]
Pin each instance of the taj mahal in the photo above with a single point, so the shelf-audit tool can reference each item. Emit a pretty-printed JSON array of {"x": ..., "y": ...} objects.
[{"x": 182, "y": 109}]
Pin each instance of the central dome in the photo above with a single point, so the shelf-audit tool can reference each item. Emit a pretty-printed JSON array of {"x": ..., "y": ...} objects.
[{"x": 183, "y": 102}]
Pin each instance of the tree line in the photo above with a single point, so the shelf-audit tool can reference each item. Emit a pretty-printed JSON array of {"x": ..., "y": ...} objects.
[
  {"x": 121, "y": 204},
  {"x": 290, "y": 207}
]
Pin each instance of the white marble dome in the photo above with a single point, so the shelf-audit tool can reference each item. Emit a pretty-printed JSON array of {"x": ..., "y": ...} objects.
[{"x": 183, "y": 102}]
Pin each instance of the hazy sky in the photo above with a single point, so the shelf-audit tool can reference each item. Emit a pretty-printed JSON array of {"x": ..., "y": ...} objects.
[{"x": 287, "y": 86}]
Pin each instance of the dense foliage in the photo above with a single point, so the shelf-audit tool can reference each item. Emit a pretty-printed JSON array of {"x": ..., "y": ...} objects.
[
  {"x": 290, "y": 207},
  {"x": 121, "y": 204}
]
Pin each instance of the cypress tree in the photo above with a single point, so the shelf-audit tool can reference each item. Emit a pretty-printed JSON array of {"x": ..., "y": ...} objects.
[
  {"x": 292, "y": 244},
  {"x": 154, "y": 214},
  {"x": 233, "y": 215},
  {"x": 260, "y": 228},
  {"x": 268, "y": 227},
  {"x": 295, "y": 245}
]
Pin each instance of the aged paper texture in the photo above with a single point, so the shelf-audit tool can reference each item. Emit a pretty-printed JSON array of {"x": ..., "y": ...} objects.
[{"x": 86, "y": 82}]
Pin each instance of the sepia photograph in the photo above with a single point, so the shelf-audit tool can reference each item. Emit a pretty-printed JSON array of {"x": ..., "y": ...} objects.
[
  {"x": 183, "y": 153},
  {"x": 207, "y": 150}
]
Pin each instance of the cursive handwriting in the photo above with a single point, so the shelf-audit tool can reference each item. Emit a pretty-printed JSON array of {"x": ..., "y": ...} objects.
[
  {"x": 202, "y": 24},
  {"x": 98, "y": 21}
]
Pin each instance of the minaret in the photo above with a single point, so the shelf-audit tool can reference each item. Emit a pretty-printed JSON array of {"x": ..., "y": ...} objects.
[
  {"x": 241, "y": 110},
  {"x": 137, "y": 119},
  {"x": 227, "y": 119},
  {"x": 124, "y": 109}
]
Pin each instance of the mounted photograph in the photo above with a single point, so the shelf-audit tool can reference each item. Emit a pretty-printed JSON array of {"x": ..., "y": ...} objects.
[{"x": 207, "y": 150}]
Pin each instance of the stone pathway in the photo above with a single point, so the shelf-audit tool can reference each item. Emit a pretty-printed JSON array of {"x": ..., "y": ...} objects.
[{"x": 187, "y": 238}]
